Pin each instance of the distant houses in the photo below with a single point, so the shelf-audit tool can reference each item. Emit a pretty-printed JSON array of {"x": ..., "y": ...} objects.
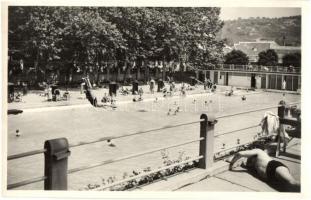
[
  {"x": 283, "y": 50},
  {"x": 252, "y": 49},
  {"x": 253, "y": 75}
]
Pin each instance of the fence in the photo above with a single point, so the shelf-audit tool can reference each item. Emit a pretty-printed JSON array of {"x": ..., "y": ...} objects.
[
  {"x": 257, "y": 68},
  {"x": 57, "y": 151},
  {"x": 146, "y": 73}
]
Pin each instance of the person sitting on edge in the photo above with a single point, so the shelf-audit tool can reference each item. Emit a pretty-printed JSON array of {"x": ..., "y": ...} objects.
[
  {"x": 229, "y": 93},
  {"x": 209, "y": 83},
  {"x": 140, "y": 91},
  {"x": 151, "y": 86},
  {"x": 272, "y": 171},
  {"x": 66, "y": 95},
  {"x": 183, "y": 90},
  {"x": 105, "y": 98},
  {"x": 213, "y": 89}
]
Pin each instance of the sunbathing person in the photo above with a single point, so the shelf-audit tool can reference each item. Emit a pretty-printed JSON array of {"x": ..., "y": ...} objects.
[
  {"x": 66, "y": 95},
  {"x": 266, "y": 168},
  {"x": 124, "y": 91},
  {"x": 105, "y": 99}
]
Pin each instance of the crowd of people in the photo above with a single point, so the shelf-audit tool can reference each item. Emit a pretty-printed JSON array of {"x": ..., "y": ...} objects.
[{"x": 167, "y": 89}]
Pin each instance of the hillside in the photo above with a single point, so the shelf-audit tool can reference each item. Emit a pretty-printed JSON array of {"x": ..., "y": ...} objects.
[{"x": 264, "y": 28}]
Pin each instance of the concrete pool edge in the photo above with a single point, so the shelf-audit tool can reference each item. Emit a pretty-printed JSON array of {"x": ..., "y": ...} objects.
[
  {"x": 187, "y": 178},
  {"x": 122, "y": 102}
]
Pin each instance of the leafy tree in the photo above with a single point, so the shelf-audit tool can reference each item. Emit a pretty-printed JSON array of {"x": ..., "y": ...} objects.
[
  {"x": 67, "y": 40},
  {"x": 236, "y": 57},
  {"x": 31, "y": 32},
  {"x": 268, "y": 58},
  {"x": 91, "y": 41},
  {"x": 293, "y": 59}
]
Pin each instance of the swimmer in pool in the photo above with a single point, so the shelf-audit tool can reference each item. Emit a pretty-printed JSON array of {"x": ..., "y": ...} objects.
[{"x": 266, "y": 168}]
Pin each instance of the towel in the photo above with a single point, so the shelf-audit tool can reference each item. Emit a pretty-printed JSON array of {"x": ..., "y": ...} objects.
[{"x": 270, "y": 124}]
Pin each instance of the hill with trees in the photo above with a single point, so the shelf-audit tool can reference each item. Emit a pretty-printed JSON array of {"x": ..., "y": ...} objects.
[{"x": 281, "y": 30}]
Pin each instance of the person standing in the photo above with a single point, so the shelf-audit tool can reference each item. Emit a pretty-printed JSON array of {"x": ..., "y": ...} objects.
[
  {"x": 151, "y": 85},
  {"x": 284, "y": 85}
]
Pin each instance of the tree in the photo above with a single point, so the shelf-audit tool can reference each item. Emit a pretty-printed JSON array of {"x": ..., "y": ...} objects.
[
  {"x": 293, "y": 59},
  {"x": 65, "y": 40},
  {"x": 236, "y": 57},
  {"x": 97, "y": 40},
  {"x": 32, "y": 33},
  {"x": 268, "y": 58}
]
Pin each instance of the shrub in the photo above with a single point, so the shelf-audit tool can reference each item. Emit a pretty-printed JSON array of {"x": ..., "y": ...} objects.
[{"x": 236, "y": 57}]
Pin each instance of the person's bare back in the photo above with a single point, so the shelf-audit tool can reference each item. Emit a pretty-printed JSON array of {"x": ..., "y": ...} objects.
[
  {"x": 266, "y": 168},
  {"x": 256, "y": 158}
]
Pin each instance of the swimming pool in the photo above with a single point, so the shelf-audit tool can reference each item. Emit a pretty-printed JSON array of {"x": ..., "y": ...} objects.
[{"x": 87, "y": 123}]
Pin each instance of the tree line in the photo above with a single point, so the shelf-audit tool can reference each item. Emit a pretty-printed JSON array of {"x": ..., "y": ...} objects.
[
  {"x": 265, "y": 58},
  {"x": 91, "y": 40}
]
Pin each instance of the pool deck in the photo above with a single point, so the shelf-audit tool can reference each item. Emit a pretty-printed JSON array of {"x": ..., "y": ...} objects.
[
  {"x": 219, "y": 178},
  {"x": 33, "y": 100}
]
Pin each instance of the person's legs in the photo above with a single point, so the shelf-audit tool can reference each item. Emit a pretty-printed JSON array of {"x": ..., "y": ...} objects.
[{"x": 283, "y": 175}]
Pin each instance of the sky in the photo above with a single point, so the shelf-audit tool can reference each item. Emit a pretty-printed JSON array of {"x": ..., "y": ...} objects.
[{"x": 247, "y": 12}]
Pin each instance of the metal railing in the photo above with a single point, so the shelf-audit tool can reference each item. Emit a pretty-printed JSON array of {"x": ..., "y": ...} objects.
[
  {"x": 81, "y": 143},
  {"x": 57, "y": 151},
  {"x": 257, "y": 68}
]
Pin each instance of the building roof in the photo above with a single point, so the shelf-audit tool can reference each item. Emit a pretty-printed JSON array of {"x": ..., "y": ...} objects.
[
  {"x": 227, "y": 49},
  {"x": 287, "y": 48},
  {"x": 252, "y": 49}
]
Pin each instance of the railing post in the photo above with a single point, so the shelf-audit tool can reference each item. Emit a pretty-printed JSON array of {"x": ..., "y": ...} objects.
[
  {"x": 281, "y": 111},
  {"x": 281, "y": 114},
  {"x": 207, "y": 144},
  {"x": 56, "y": 164}
]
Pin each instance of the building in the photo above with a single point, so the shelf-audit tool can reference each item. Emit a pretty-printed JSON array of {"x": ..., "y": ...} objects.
[
  {"x": 258, "y": 77},
  {"x": 252, "y": 49},
  {"x": 254, "y": 76},
  {"x": 283, "y": 50}
]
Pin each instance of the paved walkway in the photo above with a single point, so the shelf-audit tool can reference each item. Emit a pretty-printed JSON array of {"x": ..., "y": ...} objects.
[
  {"x": 34, "y": 99},
  {"x": 240, "y": 180}
]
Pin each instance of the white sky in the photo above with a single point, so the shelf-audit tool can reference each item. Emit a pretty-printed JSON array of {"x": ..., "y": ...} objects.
[{"x": 247, "y": 12}]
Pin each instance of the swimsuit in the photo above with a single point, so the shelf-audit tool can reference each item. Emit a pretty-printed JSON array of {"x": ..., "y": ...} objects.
[{"x": 271, "y": 169}]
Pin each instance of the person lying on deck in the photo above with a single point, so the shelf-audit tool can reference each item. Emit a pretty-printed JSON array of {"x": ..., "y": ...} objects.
[{"x": 272, "y": 171}]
